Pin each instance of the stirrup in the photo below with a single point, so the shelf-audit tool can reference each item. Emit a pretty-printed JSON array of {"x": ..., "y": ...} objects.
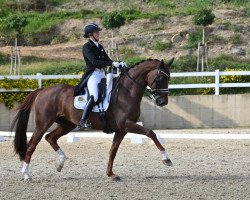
[{"x": 83, "y": 126}]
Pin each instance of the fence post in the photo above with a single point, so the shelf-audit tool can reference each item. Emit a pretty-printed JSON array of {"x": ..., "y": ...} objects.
[
  {"x": 217, "y": 82},
  {"x": 39, "y": 79}
]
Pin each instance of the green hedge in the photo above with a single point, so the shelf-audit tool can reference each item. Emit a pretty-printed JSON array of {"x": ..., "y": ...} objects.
[{"x": 8, "y": 98}]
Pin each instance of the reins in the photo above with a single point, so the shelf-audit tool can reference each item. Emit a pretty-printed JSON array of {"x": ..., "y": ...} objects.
[{"x": 142, "y": 87}]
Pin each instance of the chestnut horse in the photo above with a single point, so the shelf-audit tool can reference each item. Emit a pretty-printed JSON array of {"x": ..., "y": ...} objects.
[{"x": 55, "y": 105}]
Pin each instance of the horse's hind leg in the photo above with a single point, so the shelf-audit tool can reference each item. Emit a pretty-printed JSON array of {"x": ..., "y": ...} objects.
[
  {"x": 62, "y": 128},
  {"x": 32, "y": 144}
]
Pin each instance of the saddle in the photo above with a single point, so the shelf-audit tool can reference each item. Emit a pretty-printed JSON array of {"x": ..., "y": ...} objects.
[{"x": 102, "y": 104}]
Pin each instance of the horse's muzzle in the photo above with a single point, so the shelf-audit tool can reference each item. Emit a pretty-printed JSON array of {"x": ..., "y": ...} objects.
[{"x": 160, "y": 101}]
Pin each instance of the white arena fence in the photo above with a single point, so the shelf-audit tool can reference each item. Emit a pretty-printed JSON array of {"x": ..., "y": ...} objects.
[
  {"x": 138, "y": 139},
  {"x": 216, "y": 85}
]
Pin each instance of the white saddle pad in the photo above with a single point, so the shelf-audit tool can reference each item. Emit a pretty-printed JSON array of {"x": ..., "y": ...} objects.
[{"x": 81, "y": 101}]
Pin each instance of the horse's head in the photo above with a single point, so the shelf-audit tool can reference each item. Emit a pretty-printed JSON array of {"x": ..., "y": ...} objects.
[{"x": 157, "y": 81}]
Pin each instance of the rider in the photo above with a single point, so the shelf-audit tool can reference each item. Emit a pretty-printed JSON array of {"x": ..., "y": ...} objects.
[{"x": 96, "y": 60}]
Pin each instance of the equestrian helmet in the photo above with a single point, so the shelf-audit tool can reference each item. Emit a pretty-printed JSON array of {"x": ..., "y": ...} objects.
[{"x": 91, "y": 28}]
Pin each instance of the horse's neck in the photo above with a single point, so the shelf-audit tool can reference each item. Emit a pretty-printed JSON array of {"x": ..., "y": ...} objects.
[
  {"x": 137, "y": 87},
  {"x": 139, "y": 73}
]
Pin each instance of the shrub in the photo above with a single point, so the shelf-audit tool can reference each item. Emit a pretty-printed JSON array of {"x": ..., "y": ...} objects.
[
  {"x": 3, "y": 59},
  {"x": 8, "y": 98},
  {"x": 161, "y": 46},
  {"x": 113, "y": 20},
  {"x": 126, "y": 52},
  {"x": 58, "y": 39},
  {"x": 4, "y": 12},
  {"x": 194, "y": 39},
  {"x": 230, "y": 62},
  {"x": 184, "y": 64},
  {"x": 236, "y": 39},
  {"x": 239, "y": 2},
  {"x": 164, "y": 3},
  {"x": 211, "y": 39},
  {"x": 133, "y": 60},
  {"x": 231, "y": 27}
]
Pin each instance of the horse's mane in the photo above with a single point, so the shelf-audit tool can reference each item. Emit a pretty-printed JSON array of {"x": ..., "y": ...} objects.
[{"x": 147, "y": 60}]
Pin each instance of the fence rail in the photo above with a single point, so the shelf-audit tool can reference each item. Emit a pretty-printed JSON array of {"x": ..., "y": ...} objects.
[{"x": 216, "y": 74}]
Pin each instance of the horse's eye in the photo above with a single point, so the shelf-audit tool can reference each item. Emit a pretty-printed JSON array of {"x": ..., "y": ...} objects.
[
  {"x": 159, "y": 78},
  {"x": 162, "y": 78}
]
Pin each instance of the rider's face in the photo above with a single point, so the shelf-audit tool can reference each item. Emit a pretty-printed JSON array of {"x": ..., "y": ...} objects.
[{"x": 96, "y": 35}]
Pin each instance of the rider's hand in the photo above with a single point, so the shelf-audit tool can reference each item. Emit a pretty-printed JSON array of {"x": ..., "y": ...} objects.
[
  {"x": 123, "y": 64},
  {"x": 119, "y": 64},
  {"x": 116, "y": 64}
]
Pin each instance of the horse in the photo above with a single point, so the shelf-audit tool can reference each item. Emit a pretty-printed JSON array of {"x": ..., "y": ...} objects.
[{"x": 54, "y": 104}]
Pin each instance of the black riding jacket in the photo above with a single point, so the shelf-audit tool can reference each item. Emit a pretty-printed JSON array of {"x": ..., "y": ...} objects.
[{"x": 95, "y": 57}]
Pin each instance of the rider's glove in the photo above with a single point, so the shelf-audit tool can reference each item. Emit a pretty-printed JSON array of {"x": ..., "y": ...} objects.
[
  {"x": 116, "y": 64},
  {"x": 123, "y": 64},
  {"x": 119, "y": 64}
]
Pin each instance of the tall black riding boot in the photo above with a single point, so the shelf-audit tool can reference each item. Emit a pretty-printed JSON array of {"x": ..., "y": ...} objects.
[{"x": 87, "y": 110}]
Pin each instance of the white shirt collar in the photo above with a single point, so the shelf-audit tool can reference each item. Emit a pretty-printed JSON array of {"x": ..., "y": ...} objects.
[{"x": 96, "y": 43}]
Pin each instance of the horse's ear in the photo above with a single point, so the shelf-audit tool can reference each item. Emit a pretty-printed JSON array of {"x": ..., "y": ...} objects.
[
  {"x": 170, "y": 62},
  {"x": 161, "y": 64}
]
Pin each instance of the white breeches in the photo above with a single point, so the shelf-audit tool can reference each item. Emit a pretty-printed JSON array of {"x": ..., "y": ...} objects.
[{"x": 93, "y": 82}]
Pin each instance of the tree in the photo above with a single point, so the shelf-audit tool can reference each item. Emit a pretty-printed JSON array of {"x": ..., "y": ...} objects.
[
  {"x": 12, "y": 25},
  {"x": 203, "y": 17},
  {"x": 111, "y": 21}
]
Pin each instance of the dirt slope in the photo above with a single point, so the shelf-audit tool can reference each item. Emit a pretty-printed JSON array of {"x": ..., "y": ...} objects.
[{"x": 138, "y": 37}]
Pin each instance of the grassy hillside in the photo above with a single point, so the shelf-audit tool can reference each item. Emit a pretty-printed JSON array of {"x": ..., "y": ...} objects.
[{"x": 150, "y": 31}]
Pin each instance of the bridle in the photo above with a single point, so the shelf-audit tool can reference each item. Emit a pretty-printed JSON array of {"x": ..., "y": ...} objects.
[
  {"x": 152, "y": 93},
  {"x": 155, "y": 93}
]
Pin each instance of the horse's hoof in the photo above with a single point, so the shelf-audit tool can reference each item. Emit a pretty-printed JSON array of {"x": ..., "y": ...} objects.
[
  {"x": 167, "y": 162},
  {"x": 27, "y": 178},
  {"x": 115, "y": 178},
  {"x": 60, "y": 163},
  {"x": 59, "y": 167}
]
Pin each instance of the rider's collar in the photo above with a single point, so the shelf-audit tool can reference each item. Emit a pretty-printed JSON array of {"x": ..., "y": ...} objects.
[{"x": 96, "y": 43}]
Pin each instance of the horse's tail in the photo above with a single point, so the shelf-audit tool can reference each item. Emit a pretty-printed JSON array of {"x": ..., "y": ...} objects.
[{"x": 20, "y": 123}]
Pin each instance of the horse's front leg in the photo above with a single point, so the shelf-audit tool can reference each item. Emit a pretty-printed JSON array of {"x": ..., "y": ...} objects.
[
  {"x": 112, "y": 153},
  {"x": 136, "y": 128}
]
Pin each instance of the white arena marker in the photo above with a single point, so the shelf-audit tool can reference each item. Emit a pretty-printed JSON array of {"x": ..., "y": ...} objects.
[
  {"x": 2, "y": 139},
  {"x": 161, "y": 140},
  {"x": 137, "y": 140},
  {"x": 72, "y": 138}
]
